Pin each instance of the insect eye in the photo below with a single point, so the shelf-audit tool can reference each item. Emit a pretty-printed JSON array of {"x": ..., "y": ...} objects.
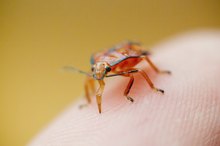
[
  {"x": 92, "y": 69},
  {"x": 108, "y": 69}
]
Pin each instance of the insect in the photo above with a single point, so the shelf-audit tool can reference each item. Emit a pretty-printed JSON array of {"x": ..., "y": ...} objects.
[{"x": 117, "y": 61}]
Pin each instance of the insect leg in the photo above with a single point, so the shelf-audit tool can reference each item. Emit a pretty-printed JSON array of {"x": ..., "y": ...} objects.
[
  {"x": 92, "y": 85},
  {"x": 99, "y": 95},
  {"x": 128, "y": 88},
  {"x": 127, "y": 73},
  {"x": 154, "y": 67},
  {"x": 149, "y": 81},
  {"x": 89, "y": 83}
]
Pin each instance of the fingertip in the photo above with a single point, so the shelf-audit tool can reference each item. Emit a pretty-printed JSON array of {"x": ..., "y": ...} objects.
[{"x": 184, "y": 115}]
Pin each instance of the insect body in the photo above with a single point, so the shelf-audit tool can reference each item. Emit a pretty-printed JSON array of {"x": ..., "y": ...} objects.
[{"x": 118, "y": 61}]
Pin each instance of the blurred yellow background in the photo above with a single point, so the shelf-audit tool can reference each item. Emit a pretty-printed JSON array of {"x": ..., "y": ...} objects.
[{"x": 38, "y": 37}]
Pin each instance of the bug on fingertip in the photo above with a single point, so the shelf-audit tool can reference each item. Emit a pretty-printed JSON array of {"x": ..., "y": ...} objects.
[{"x": 117, "y": 61}]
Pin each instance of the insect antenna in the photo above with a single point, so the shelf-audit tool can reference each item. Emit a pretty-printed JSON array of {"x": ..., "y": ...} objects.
[{"x": 73, "y": 69}]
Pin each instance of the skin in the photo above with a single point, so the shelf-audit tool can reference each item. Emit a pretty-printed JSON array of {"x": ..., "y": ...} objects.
[{"x": 188, "y": 114}]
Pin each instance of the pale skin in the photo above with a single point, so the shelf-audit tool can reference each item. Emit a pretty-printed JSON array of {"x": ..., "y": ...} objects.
[{"x": 186, "y": 115}]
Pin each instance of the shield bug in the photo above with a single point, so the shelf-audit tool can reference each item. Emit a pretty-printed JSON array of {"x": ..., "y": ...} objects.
[{"x": 117, "y": 61}]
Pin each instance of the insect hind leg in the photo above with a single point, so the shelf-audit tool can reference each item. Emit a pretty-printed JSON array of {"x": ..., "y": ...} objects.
[{"x": 155, "y": 68}]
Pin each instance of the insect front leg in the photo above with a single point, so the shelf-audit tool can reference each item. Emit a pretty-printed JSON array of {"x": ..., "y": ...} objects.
[
  {"x": 154, "y": 67},
  {"x": 99, "y": 95},
  {"x": 89, "y": 84}
]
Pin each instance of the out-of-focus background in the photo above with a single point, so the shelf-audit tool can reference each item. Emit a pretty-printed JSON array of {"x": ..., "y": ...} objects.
[{"x": 38, "y": 37}]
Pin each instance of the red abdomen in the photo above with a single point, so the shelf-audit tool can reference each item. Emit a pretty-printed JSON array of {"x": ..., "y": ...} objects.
[{"x": 126, "y": 64}]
